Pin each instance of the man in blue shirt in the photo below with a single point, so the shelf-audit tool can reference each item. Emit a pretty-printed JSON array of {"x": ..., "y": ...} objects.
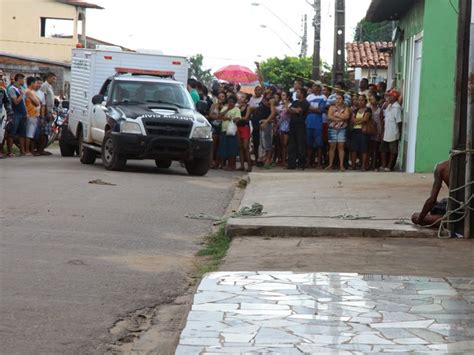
[
  {"x": 314, "y": 125},
  {"x": 339, "y": 87},
  {"x": 17, "y": 127}
]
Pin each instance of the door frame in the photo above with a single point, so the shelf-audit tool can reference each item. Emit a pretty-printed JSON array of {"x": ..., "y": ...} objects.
[{"x": 414, "y": 101}]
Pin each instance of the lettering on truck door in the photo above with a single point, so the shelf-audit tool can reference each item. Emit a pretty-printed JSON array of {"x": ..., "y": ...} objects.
[{"x": 99, "y": 119}]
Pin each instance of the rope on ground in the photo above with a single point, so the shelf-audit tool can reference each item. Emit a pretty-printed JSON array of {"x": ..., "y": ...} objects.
[{"x": 256, "y": 211}]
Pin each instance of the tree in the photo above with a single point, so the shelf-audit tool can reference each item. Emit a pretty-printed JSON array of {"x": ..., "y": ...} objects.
[
  {"x": 373, "y": 31},
  {"x": 284, "y": 71},
  {"x": 196, "y": 70}
]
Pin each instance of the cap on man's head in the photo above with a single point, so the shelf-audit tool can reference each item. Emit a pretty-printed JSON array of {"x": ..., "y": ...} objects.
[{"x": 394, "y": 93}]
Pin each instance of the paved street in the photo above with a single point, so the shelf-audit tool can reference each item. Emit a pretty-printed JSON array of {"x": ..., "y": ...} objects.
[{"x": 76, "y": 257}]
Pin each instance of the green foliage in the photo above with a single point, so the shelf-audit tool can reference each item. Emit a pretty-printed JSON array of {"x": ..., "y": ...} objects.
[
  {"x": 216, "y": 248},
  {"x": 373, "y": 31},
  {"x": 284, "y": 71},
  {"x": 196, "y": 70}
]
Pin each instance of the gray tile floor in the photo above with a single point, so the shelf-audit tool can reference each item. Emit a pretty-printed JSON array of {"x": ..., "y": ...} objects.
[{"x": 337, "y": 313}]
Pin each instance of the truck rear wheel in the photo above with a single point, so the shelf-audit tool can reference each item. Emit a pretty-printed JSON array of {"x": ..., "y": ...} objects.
[
  {"x": 197, "y": 167},
  {"x": 86, "y": 155},
  {"x": 163, "y": 163},
  {"x": 110, "y": 158},
  {"x": 67, "y": 148}
]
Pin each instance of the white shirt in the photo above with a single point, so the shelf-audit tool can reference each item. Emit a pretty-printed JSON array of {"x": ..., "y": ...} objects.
[
  {"x": 254, "y": 102},
  {"x": 47, "y": 89},
  {"x": 393, "y": 116},
  {"x": 41, "y": 97}
]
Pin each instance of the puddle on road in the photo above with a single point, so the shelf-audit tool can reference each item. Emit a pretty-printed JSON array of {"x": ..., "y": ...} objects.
[{"x": 152, "y": 263}]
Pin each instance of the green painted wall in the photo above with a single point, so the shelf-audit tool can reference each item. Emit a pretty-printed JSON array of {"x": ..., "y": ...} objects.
[
  {"x": 436, "y": 111},
  {"x": 412, "y": 22}
]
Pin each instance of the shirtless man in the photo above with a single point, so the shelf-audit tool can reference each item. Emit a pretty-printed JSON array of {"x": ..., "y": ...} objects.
[{"x": 428, "y": 217}]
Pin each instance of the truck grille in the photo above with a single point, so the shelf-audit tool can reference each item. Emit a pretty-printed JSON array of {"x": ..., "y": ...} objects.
[{"x": 167, "y": 128}]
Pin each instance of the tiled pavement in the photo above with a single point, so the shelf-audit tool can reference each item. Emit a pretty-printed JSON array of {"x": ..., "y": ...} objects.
[{"x": 336, "y": 313}]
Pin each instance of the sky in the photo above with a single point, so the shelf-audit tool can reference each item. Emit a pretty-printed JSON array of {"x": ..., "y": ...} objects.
[{"x": 224, "y": 31}]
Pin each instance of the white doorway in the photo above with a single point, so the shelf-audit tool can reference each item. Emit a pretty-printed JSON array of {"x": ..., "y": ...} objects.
[{"x": 414, "y": 101}]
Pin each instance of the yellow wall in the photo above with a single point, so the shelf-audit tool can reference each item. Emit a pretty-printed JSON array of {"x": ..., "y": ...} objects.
[{"x": 20, "y": 28}]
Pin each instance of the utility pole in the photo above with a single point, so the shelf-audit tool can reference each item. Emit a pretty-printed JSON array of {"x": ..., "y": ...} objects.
[
  {"x": 304, "y": 39},
  {"x": 317, "y": 40},
  {"x": 339, "y": 39},
  {"x": 462, "y": 164}
]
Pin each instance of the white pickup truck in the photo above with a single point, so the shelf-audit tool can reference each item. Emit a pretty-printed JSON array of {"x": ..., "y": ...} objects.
[{"x": 138, "y": 113}]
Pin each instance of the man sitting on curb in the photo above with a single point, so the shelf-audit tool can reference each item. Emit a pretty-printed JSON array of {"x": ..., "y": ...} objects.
[{"x": 433, "y": 211}]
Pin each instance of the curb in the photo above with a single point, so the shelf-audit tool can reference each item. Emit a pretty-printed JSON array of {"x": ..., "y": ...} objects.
[{"x": 242, "y": 230}]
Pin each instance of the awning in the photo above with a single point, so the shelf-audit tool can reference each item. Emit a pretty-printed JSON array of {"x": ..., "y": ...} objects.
[{"x": 388, "y": 10}]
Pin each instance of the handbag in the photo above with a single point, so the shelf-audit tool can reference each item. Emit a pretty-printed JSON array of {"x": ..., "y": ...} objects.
[
  {"x": 369, "y": 128},
  {"x": 231, "y": 129}
]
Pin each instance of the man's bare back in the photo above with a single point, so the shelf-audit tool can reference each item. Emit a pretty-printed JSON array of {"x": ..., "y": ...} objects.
[{"x": 426, "y": 217}]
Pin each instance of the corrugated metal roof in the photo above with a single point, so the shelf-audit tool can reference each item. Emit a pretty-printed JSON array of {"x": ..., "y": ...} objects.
[{"x": 368, "y": 54}]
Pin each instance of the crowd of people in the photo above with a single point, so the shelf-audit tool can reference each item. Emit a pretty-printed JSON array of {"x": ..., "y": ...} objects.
[
  {"x": 26, "y": 107},
  {"x": 311, "y": 126}
]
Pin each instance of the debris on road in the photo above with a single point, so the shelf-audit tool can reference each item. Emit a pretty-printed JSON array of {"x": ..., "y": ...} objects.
[{"x": 100, "y": 182}]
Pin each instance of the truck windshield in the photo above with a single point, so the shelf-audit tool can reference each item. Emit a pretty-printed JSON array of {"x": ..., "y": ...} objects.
[{"x": 142, "y": 92}]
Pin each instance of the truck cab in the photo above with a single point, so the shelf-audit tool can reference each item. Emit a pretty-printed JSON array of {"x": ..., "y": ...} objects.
[{"x": 144, "y": 114}]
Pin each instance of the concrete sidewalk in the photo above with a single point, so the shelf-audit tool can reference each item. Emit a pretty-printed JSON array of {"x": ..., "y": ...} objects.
[{"x": 318, "y": 204}]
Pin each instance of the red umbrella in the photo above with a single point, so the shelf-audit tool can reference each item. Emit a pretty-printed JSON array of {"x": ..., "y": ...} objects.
[{"x": 236, "y": 74}]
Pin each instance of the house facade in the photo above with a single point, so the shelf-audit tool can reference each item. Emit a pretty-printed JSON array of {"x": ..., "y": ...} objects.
[
  {"x": 47, "y": 29},
  {"x": 423, "y": 68}
]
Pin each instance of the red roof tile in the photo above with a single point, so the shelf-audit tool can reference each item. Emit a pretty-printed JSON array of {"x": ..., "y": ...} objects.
[{"x": 368, "y": 54}]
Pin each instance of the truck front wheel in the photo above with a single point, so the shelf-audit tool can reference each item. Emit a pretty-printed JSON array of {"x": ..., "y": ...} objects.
[
  {"x": 110, "y": 157},
  {"x": 86, "y": 155},
  {"x": 197, "y": 167},
  {"x": 163, "y": 164}
]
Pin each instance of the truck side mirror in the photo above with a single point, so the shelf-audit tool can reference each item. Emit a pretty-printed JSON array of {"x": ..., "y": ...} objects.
[
  {"x": 201, "y": 107},
  {"x": 97, "y": 99}
]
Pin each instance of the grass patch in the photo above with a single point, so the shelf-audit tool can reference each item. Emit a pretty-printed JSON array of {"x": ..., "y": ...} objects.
[{"x": 216, "y": 248}]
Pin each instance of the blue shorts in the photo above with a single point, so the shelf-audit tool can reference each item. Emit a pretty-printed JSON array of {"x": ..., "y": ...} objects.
[
  {"x": 18, "y": 126},
  {"x": 337, "y": 135},
  {"x": 314, "y": 137}
]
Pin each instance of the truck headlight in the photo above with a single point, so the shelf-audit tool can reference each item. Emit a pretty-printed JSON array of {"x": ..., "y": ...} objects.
[
  {"x": 202, "y": 133},
  {"x": 130, "y": 127}
]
